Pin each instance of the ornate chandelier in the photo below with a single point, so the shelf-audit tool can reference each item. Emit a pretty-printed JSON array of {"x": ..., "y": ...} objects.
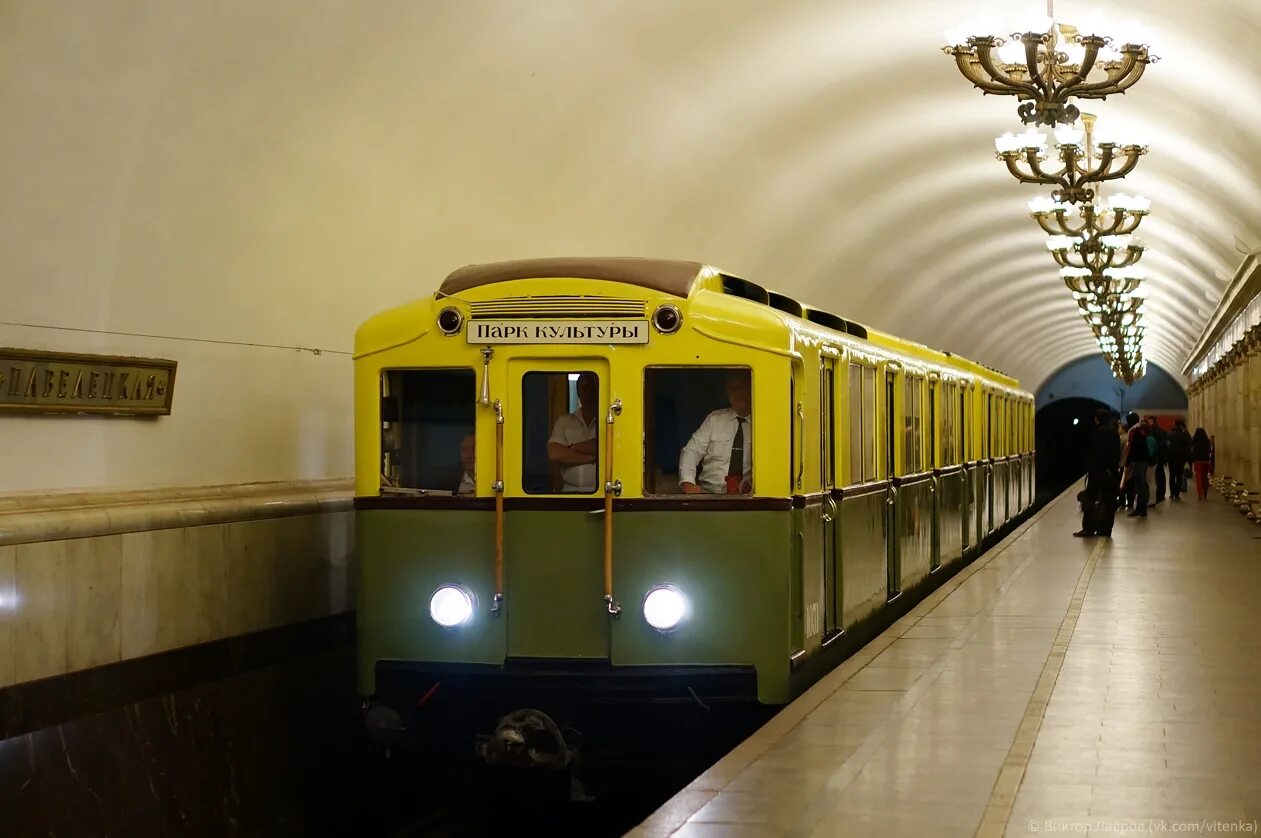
[
  {"x": 1097, "y": 254},
  {"x": 1025, "y": 154},
  {"x": 1046, "y": 69},
  {"x": 1091, "y": 242},
  {"x": 1120, "y": 217}
]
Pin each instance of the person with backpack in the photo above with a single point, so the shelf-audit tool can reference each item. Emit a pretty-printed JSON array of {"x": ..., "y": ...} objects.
[
  {"x": 1100, "y": 498},
  {"x": 1136, "y": 460}
]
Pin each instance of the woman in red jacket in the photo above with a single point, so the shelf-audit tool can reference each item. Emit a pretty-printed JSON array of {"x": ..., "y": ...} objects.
[{"x": 1201, "y": 457}]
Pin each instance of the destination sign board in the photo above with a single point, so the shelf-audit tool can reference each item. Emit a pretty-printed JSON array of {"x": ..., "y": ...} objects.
[{"x": 557, "y": 331}]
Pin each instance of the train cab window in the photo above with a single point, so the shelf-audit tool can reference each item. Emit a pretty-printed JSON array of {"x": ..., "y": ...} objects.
[
  {"x": 560, "y": 432},
  {"x": 427, "y": 441},
  {"x": 698, "y": 431}
]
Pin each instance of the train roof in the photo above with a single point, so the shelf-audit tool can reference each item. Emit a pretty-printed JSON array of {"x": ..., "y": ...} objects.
[
  {"x": 668, "y": 276},
  {"x": 681, "y": 278}
]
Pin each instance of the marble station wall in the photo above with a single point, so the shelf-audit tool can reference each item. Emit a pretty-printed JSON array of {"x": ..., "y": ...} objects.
[{"x": 88, "y": 579}]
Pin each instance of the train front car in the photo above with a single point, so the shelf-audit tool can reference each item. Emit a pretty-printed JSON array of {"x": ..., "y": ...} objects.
[{"x": 572, "y": 487}]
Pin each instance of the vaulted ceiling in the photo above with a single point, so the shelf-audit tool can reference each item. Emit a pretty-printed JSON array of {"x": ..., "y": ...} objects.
[{"x": 339, "y": 157}]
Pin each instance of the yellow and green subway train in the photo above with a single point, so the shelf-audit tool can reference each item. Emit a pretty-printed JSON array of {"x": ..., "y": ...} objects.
[{"x": 649, "y": 480}]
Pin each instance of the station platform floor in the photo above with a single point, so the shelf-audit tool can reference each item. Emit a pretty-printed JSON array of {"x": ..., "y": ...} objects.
[{"x": 1057, "y": 685}]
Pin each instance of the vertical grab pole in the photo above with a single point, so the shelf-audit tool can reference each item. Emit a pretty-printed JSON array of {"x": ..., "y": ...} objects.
[
  {"x": 611, "y": 487},
  {"x": 497, "y": 603}
]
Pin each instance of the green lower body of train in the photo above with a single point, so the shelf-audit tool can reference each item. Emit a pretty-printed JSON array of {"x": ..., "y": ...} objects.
[{"x": 770, "y": 592}]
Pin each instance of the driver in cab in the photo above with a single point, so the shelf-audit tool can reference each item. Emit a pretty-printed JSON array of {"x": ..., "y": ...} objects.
[{"x": 718, "y": 459}]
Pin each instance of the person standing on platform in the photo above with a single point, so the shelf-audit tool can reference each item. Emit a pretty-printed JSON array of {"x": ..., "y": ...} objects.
[
  {"x": 1179, "y": 456},
  {"x": 1158, "y": 448},
  {"x": 1201, "y": 461},
  {"x": 1102, "y": 465},
  {"x": 1136, "y": 460}
]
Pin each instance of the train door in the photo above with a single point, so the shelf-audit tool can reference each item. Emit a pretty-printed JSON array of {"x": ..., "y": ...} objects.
[
  {"x": 830, "y": 517},
  {"x": 555, "y": 458},
  {"x": 963, "y": 450},
  {"x": 890, "y": 463},
  {"x": 987, "y": 433}
]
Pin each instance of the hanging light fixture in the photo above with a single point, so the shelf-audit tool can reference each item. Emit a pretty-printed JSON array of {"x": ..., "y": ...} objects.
[
  {"x": 1120, "y": 217},
  {"x": 1078, "y": 169},
  {"x": 1046, "y": 69}
]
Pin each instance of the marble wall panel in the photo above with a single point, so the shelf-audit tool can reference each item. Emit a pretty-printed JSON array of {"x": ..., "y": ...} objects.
[
  {"x": 159, "y": 592},
  {"x": 207, "y": 549},
  {"x": 92, "y": 601},
  {"x": 40, "y": 628},
  {"x": 8, "y": 613},
  {"x": 71, "y": 604}
]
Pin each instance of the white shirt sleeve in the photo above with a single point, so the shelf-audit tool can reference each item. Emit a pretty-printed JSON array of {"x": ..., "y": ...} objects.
[
  {"x": 559, "y": 429},
  {"x": 697, "y": 446}
]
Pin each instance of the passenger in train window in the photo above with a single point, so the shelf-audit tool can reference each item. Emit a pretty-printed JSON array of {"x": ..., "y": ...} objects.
[
  {"x": 574, "y": 442},
  {"x": 468, "y": 459},
  {"x": 718, "y": 459},
  {"x": 426, "y": 414}
]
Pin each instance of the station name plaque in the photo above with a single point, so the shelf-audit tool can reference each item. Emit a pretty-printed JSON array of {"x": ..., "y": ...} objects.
[{"x": 33, "y": 381}]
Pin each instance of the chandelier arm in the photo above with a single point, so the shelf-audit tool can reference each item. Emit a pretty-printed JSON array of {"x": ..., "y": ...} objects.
[
  {"x": 1000, "y": 77},
  {"x": 1046, "y": 228},
  {"x": 970, "y": 67},
  {"x": 1132, "y": 153},
  {"x": 1043, "y": 86},
  {"x": 1116, "y": 79},
  {"x": 1069, "y": 87},
  {"x": 1091, "y": 175},
  {"x": 1132, "y": 221},
  {"x": 1035, "y": 175}
]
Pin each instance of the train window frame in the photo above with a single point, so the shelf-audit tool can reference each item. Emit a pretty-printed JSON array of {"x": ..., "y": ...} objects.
[
  {"x": 393, "y": 426},
  {"x": 652, "y": 476}
]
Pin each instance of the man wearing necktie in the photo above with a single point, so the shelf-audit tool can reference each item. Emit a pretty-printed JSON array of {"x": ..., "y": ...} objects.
[{"x": 718, "y": 459}]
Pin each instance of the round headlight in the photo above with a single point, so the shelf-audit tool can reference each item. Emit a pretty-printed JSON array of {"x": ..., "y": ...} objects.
[
  {"x": 667, "y": 319},
  {"x": 665, "y": 607},
  {"x": 450, "y": 320},
  {"x": 450, "y": 606}
]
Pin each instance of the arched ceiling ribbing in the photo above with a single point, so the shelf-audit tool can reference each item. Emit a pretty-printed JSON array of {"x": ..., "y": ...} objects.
[{"x": 825, "y": 148}]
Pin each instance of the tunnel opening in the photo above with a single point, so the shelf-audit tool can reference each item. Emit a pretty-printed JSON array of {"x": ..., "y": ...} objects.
[{"x": 1062, "y": 429}]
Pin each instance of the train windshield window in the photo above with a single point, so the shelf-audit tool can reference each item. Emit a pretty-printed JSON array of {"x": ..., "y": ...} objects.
[
  {"x": 695, "y": 420},
  {"x": 427, "y": 441},
  {"x": 560, "y": 427}
]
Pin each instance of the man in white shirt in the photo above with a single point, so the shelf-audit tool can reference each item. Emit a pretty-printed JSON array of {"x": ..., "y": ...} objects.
[
  {"x": 722, "y": 446},
  {"x": 573, "y": 443},
  {"x": 468, "y": 453}
]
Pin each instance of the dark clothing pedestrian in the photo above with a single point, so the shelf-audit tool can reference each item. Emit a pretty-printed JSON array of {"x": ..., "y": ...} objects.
[
  {"x": 1136, "y": 462},
  {"x": 1179, "y": 453},
  {"x": 1102, "y": 465},
  {"x": 1161, "y": 458}
]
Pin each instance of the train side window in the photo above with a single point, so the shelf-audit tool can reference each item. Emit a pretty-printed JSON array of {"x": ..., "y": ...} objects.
[
  {"x": 869, "y": 424},
  {"x": 856, "y": 431},
  {"x": 427, "y": 439},
  {"x": 698, "y": 430},
  {"x": 560, "y": 432},
  {"x": 913, "y": 413}
]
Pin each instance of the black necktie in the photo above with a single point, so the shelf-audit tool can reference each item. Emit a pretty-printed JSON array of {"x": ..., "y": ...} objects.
[{"x": 735, "y": 467}]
